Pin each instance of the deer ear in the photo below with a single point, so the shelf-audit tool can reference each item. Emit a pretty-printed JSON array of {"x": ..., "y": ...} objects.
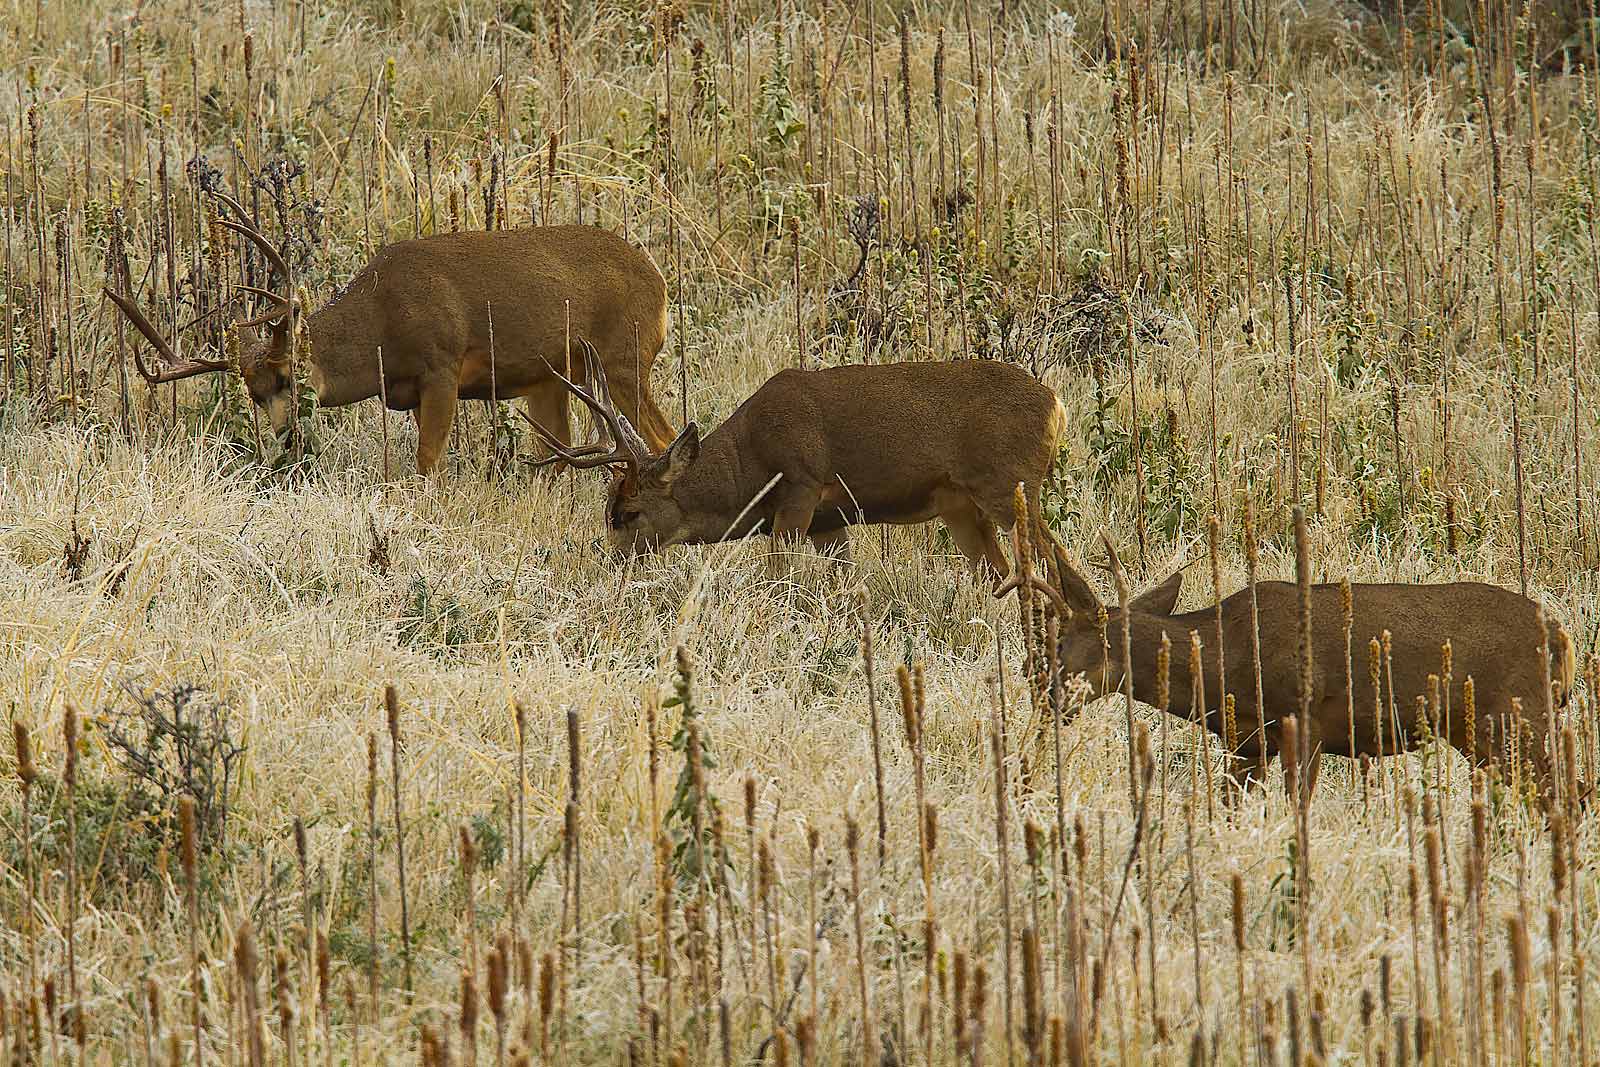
[
  {"x": 1160, "y": 600},
  {"x": 679, "y": 456}
]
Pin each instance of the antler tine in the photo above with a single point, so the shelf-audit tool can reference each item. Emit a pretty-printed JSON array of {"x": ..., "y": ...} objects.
[
  {"x": 1113, "y": 561},
  {"x": 177, "y": 369},
  {"x": 278, "y": 316},
  {"x": 624, "y": 448},
  {"x": 581, "y": 458},
  {"x": 246, "y": 227},
  {"x": 1016, "y": 581},
  {"x": 259, "y": 239},
  {"x": 626, "y": 435}
]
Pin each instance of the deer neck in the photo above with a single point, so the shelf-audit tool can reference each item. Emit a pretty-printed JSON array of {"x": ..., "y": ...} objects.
[
  {"x": 1146, "y": 631},
  {"x": 713, "y": 492},
  {"x": 342, "y": 367}
]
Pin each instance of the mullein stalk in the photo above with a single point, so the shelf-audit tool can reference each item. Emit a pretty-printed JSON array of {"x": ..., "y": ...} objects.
[
  {"x": 391, "y": 703},
  {"x": 877, "y": 747},
  {"x": 69, "y": 731},
  {"x": 852, "y": 844},
  {"x": 191, "y": 886}
]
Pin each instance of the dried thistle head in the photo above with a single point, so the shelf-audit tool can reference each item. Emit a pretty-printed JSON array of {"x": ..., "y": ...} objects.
[
  {"x": 245, "y": 959},
  {"x": 467, "y": 850},
  {"x": 524, "y": 965},
  {"x": 547, "y": 985},
  {"x": 499, "y": 967},
  {"x": 469, "y": 1003},
  {"x": 69, "y": 734},
  {"x": 324, "y": 969},
  {"x": 1164, "y": 672},
  {"x": 805, "y": 1035},
  {"x": 908, "y": 707},
  {"x": 765, "y": 868},
  {"x": 27, "y": 773},
  {"x": 187, "y": 833},
  {"x": 391, "y": 707},
  {"x": 1517, "y": 936},
  {"x": 1236, "y": 888}
]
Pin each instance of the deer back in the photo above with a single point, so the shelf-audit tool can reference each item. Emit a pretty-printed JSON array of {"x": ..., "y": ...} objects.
[
  {"x": 1493, "y": 633},
  {"x": 886, "y": 438},
  {"x": 496, "y": 308}
]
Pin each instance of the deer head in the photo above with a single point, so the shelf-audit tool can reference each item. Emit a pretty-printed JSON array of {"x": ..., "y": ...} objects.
[
  {"x": 642, "y": 513},
  {"x": 1090, "y": 631},
  {"x": 263, "y": 357}
]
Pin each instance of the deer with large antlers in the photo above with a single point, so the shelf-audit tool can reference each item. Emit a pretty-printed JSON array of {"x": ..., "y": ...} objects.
[
  {"x": 811, "y": 453},
  {"x": 1513, "y": 652},
  {"x": 479, "y": 316}
]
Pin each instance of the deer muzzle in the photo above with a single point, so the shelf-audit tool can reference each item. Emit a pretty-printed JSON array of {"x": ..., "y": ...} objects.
[{"x": 280, "y": 411}]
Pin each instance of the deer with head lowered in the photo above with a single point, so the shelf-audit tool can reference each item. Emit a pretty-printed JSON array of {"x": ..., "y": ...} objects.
[
  {"x": 811, "y": 453},
  {"x": 480, "y": 315},
  {"x": 1503, "y": 641}
]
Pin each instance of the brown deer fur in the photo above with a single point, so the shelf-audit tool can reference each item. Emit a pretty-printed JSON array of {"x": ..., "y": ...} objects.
[
  {"x": 1493, "y": 634},
  {"x": 894, "y": 443},
  {"x": 429, "y": 304}
]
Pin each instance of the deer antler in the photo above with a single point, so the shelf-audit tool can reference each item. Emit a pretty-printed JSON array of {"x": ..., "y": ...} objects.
[
  {"x": 175, "y": 368},
  {"x": 285, "y": 307},
  {"x": 1016, "y": 582},
  {"x": 246, "y": 227},
  {"x": 626, "y": 447}
]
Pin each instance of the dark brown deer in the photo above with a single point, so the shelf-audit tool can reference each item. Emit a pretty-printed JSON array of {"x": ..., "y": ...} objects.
[
  {"x": 481, "y": 315},
  {"x": 1495, "y": 635},
  {"x": 812, "y": 453}
]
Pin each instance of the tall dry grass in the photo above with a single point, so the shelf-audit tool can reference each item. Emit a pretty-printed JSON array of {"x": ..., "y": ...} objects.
[{"x": 1271, "y": 256}]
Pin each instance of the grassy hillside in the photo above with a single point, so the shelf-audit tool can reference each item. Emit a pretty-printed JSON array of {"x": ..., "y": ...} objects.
[{"x": 1286, "y": 254}]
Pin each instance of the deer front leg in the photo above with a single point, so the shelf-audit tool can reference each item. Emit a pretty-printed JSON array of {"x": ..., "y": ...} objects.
[
  {"x": 792, "y": 518},
  {"x": 835, "y": 544},
  {"x": 436, "y": 411}
]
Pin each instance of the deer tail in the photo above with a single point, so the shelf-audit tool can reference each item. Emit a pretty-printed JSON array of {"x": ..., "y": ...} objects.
[
  {"x": 1056, "y": 426},
  {"x": 1563, "y": 663}
]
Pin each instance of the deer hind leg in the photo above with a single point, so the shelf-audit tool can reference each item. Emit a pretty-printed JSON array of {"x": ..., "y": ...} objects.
[
  {"x": 436, "y": 411},
  {"x": 630, "y": 353},
  {"x": 546, "y": 405},
  {"x": 975, "y": 535},
  {"x": 633, "y": 397}
]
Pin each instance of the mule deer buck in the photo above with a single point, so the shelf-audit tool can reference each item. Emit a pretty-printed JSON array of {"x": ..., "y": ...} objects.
[
  {"x": 811, "y": 453},
  {"x": 1494, "y": 635},
  {"x": 481, "y": 315}
]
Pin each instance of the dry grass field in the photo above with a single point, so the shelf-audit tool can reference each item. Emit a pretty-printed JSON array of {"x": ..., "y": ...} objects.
[{"x": 666, "y": 810}]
